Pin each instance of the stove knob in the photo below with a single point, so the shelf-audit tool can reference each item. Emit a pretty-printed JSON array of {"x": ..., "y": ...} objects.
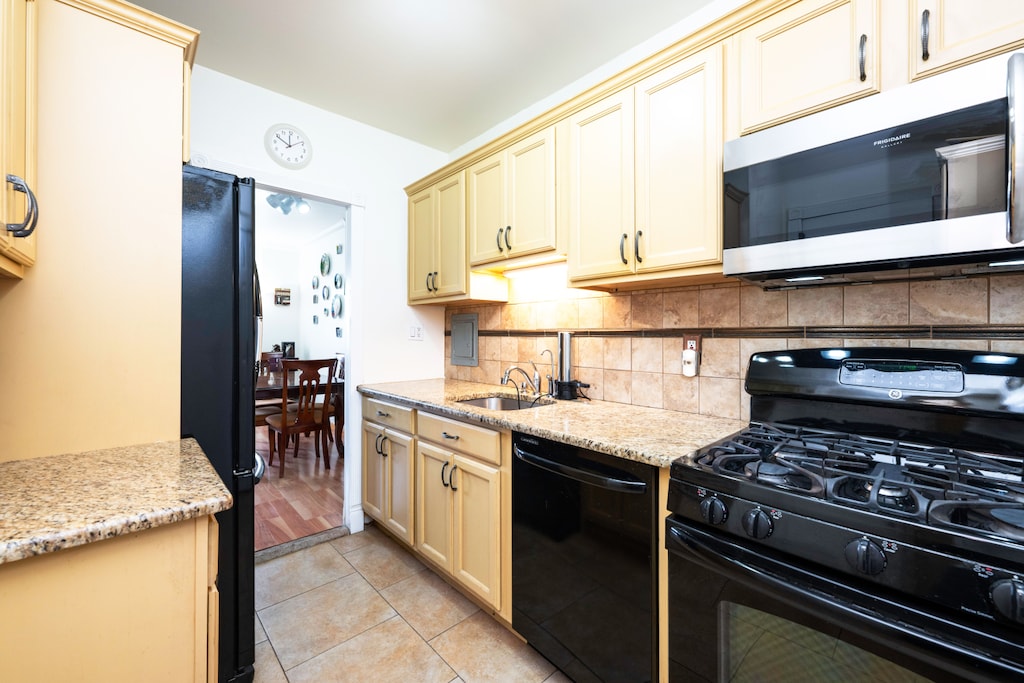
[
  {"x": 1008, "y": 598},
  {"x": 865, "y": 556},
  {"x": 758, "y": 524},
  {"x": 713, "y": 510}
]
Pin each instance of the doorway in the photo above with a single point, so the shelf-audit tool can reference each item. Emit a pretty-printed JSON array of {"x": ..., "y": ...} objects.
[{"x": 303, "y": 259}]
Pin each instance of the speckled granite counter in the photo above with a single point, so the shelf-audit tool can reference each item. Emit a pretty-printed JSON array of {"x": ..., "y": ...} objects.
[
  {"x": 63, "y": 501},
  {"x": 647, "y": 435}
]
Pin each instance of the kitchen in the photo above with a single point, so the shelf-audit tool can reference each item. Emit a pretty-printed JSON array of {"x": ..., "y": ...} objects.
[{"x": 960, "y": 313}]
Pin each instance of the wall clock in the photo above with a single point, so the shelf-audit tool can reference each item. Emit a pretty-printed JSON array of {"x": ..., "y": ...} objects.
[{"x": 288, "y": 146}]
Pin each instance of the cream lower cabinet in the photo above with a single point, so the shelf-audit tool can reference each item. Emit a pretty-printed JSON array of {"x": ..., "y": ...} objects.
[
  {"x": 138, "y": 607},
  {"x": 810, "y": 56},
  {"x": 18, "y": 129},
  {"x": 644, "y": 176},
  {"x": 388, "y": 467},
  {"x": 458, "y": 503},
  {"x": 511, "y": 201},
  {"x": 945, "y": 34}
]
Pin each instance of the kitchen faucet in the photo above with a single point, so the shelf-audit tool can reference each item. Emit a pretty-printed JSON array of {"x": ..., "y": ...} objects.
[
  {"x": 529, "y": 381},
  {"x": 551, "y": 375}
]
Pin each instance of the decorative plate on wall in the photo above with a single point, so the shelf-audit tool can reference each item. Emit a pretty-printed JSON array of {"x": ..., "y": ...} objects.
[
  {"x": 337, "y": 281},
  {"x": 325, "y": 264},
  {"x": 336, "y": 306},
  {"x": 316, "y": 282},
  {"x": 326, "y": 292}
]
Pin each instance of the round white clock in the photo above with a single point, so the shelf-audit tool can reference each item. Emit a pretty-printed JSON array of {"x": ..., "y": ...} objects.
[{"x": 288, "y": 146}]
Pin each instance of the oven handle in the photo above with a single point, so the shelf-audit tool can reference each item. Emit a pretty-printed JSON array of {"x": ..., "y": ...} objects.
[
  {"x": 796, "y": 586},
  {"x": 585, "y": 476}
]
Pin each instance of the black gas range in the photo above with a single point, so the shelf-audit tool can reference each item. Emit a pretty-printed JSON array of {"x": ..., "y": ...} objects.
[{"x": 877, "y": 501}]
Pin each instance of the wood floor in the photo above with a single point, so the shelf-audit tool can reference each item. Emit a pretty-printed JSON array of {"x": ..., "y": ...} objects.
[{"x": 307, "y": 500}]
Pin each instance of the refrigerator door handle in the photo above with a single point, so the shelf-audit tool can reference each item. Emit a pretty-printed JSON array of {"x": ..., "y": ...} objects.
[{"x": 257, "y": 472}]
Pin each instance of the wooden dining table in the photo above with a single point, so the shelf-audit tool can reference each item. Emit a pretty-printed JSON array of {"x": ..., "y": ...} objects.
[{"x": 269, "y": 385}]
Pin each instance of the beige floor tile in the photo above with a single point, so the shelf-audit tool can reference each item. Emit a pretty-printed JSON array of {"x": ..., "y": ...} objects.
[
  {"x": 260, "y": 632},
  {"x": 298, "y": 572},
  {"x": 383, "y": 562},
  {"x": 315, "y": 621},
  {"x": 391, "y": 652},
  {"x": 481, "y": 650},
  {"x": 268, "y": 669},
  {"x": 429, "y": 604},
  {"x": 350, "y": 542}
]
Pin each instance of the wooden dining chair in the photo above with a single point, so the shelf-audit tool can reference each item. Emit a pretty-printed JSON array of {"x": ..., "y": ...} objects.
[{"x": 304, "y": 417}]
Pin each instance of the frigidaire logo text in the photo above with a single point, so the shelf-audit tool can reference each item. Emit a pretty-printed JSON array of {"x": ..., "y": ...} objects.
[{"x": 894, "y": 140}]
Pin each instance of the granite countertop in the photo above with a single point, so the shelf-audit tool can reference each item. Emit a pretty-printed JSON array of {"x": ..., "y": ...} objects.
[
  {"x": 62, "y": 501},
  {"x": 649, "y": 435}
]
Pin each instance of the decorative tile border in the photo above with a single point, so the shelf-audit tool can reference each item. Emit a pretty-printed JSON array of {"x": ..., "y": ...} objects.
[{"x": 822, "y": 332}]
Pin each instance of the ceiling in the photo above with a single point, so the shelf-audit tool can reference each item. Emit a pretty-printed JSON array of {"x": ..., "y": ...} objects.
[
  {"x": 278, "y": 231},
  {"x": 440, "y": 73}
]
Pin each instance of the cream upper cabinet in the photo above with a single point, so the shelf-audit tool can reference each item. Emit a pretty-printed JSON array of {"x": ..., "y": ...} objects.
[
  {"x": 511, "y": 199},
  {"x": 810, "y": 56},
  {"x": 643, "y": 177},
  {"x": 948, "y": 33},
  {"x": 600, "y": 187},
  {"x": 18, "y": 34},
  {"x": 437, "y": 240}
]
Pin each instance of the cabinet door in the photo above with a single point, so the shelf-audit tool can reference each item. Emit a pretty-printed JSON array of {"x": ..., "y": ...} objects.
[
  {"x": 678, "y": 164},
  {"x": 601, "y": 188},
  {"x": 18, "y": 126},
  {"x": 373, "y": 472},
  {"x": 476, "y": 550},
  {"x": 806, "y": 58},
  {"x": 433, "y": 503},
  {"x": 451, "y": 246},
  {"x": 398, "y": 489},
  {"x": 531, "y": 194},
  {"x": 485, "y": 188},
  {"x": 422, "y": 239},
  {"x": 950, "y": 33}
]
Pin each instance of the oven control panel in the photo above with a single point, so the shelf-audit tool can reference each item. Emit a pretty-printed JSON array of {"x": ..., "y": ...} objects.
[
  {"x": 854, "y": 550},
  {"x": 903, "y": 375}
]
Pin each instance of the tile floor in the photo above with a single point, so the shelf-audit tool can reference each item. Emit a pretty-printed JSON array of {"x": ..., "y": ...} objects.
[{"x": 362, "y": 608}]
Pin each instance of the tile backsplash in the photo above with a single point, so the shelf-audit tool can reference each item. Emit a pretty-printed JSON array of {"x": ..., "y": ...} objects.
[{"x": 628, "y": 346}]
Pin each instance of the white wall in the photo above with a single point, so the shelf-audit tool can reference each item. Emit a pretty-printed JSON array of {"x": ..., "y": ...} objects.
[
  {"x": 656, "y": 43},
  {"x": 319, "y": 340},
  {"x": 279, "y": 268},
  {"x": 354, "y": 164}
]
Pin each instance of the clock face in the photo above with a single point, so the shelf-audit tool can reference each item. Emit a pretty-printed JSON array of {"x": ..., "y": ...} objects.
[{"x": 288, "y": 146}]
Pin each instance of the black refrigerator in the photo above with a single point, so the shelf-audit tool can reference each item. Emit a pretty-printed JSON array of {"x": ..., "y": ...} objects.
[{"x": 218, "y": 348}]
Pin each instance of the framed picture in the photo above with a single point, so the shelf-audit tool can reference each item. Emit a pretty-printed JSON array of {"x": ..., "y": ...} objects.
[
  {"x": 282, "y": 297},
  {"x": 288, "y": 349}
]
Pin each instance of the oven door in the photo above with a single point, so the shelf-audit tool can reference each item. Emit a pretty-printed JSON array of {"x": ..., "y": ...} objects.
[{"x": 739, "y": 613}]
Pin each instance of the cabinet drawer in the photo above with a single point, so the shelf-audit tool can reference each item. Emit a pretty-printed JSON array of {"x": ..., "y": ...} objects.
[
  {"x": 479, "y": 442},
  {"x": 389, "y": 414}
]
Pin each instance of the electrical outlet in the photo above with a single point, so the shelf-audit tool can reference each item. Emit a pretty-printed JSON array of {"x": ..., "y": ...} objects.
[{"x": 691, "y": 342}]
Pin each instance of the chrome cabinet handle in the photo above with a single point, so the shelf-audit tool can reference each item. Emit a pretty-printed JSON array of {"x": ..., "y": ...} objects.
[
  {"x": 862, "y": 56},
  {"x": 925, "y": 31},
  {"x": 622, "y": 248},
  {"x": 636, "y": 246},
  {"x": 497, "y": 240},
  {"x": 443, "y": 468},
  {"x": 508, "y": 245},
  {"x": 27, "y": 226},
  {"x": 1015, "y": 178},
  {"x": 453, "y": 437},
  {"x": 451, "y": 478}
]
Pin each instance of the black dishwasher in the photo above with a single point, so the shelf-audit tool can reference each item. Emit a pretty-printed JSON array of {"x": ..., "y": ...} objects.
[{"x": 584, "y": 570}]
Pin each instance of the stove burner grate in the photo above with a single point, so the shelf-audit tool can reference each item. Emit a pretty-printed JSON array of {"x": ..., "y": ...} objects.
[{"x": 936, "y": 485}]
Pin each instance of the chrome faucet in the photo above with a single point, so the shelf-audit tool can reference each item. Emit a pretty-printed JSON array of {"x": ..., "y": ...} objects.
[
  {"x": 505, "y": 379},
  {"x": 551, "y": 375}
]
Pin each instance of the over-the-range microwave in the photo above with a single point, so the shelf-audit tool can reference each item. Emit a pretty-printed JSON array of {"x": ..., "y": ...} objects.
[{"x": 922, "y": 181}]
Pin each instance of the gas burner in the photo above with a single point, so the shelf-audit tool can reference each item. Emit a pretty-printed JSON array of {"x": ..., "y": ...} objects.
[
  {"x": 885, "y": 488},
  {"x": 767, "y": 472}
]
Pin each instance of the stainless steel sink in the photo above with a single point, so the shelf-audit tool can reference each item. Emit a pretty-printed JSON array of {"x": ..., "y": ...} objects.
[{"x": 505, "y": 402}]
